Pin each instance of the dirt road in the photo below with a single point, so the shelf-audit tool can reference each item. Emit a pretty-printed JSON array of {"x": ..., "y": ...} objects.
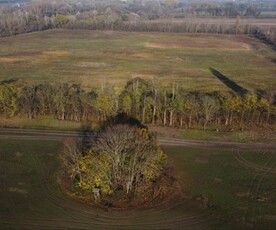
[{"x": 29, "y": 134}]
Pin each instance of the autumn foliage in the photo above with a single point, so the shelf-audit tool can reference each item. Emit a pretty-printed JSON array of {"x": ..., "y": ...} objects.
[{"x": 124, "y": 162}]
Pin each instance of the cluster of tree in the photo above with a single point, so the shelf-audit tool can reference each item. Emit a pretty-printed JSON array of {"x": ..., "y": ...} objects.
[
  {"x": 122, "y": 159},
  {"x": 227, "y": 9},
  {"x": 141, "y": 99},
  {"x": 123, "y": 15}
]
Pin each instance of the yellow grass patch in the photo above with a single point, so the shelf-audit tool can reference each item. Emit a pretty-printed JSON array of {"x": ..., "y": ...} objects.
[
  {"x": 228, "y": 45},
  {"x": 143, "y": 76},
  {"x": 35, "y": 57},
  {"x": 55, "y": 53},
  {"x": 51, "y": 55},
  {"x": 13, "y": 59},
  {"x": 143, "y": 55},
  {"x": 91, "y": 64}
]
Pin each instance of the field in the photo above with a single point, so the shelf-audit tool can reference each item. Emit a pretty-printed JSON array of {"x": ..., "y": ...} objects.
[
  {"x": 93, "y": 58},
  {"x": 221, "y": 189}
]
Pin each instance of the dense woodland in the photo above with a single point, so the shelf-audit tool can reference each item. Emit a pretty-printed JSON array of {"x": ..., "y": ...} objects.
[
  {"x": 141, "y": 99},
  {"x": 161, "y": 16}
]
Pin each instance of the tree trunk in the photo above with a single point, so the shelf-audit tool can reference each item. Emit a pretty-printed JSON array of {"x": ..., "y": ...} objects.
[
  {"x": 143, "y": 114},
  {"x": 165, "y": 117},
  {"x": 171, "y": 118},
  {"x": 181, "y": 121},
  {"x": 190, "y": 121},
  {"x": 226, "y": 119},
  {"x": 153, "y": 115}
]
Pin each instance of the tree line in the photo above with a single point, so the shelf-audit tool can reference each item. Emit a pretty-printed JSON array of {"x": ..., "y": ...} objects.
[
  {"x": 140, "y": 99},
  {"x": 130, "y": 16}
]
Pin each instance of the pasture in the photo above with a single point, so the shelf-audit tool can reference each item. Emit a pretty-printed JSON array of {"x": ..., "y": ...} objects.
[
  {"x": 95, "y": 58},
  {"x": 221, "y": 189}
]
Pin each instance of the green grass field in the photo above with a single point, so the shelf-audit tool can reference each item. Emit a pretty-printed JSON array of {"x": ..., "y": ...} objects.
[
  {"x": 221, "y": 190},
  {"x": 92, "y": 58}
]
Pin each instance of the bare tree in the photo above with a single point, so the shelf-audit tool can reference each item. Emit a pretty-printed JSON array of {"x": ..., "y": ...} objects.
[
  {"x": 209, "y": 107},
  {"x": 132, "y": 153},
  {"x": 71, "y": 158}
]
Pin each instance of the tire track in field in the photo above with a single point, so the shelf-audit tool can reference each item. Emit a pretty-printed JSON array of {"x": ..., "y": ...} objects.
[
  {"x": 88, "y": 218},
  {"x": 270, "y": 164},
  {"x": 252, "y": 165},
  {"x": 253, "y": 192}
]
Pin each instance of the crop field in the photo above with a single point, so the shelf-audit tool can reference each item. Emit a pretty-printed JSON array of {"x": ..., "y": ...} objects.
[
  {"x": 221, "y": 189},
  {"x": 93, "y": 58}
]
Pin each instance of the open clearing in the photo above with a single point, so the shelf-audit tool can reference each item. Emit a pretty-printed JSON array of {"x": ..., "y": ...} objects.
[
  {"x": 92, "y": 58},
  {"x": 221, "y": 189}
]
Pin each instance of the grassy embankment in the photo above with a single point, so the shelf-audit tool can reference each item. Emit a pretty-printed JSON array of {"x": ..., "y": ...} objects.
[{"x": 221, "y": 189}]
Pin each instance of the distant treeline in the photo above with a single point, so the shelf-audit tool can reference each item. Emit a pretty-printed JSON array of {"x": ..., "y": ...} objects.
[
  {"x": 131, "y": 16},
  {"x": 141, "y": 99},
  {"x": 14, "y": 1}
]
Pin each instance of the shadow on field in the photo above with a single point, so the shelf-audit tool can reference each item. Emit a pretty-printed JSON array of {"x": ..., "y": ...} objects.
[{"x": 228, "y": 82}]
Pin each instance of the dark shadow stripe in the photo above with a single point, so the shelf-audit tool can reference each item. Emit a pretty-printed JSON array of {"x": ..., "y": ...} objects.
[{"x": 229, "y": 83}]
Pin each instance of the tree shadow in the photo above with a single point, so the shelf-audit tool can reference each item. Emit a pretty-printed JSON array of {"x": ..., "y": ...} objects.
[
  {"x": 88, "y": 134},
  {"x": 123, "y": 118},
  {"x": 260, "y": 93},
  {"x": 9, "y": 81},
  {"x": 228, "y": 82},
  {"x": 86, "y": 137}
]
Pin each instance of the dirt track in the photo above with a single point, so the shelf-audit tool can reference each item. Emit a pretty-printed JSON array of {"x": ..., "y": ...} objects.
[{"x": 29, "y": 134}]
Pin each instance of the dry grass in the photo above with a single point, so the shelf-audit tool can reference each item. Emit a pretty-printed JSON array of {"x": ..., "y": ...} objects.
[
  {"x": 203, "y": 42},
  {"x": 91, "y": 57},
  {"x": 90, "y": 64}
]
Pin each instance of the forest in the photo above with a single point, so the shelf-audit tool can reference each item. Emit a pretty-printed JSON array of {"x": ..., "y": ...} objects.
[{"x": 140, "y": 99}]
